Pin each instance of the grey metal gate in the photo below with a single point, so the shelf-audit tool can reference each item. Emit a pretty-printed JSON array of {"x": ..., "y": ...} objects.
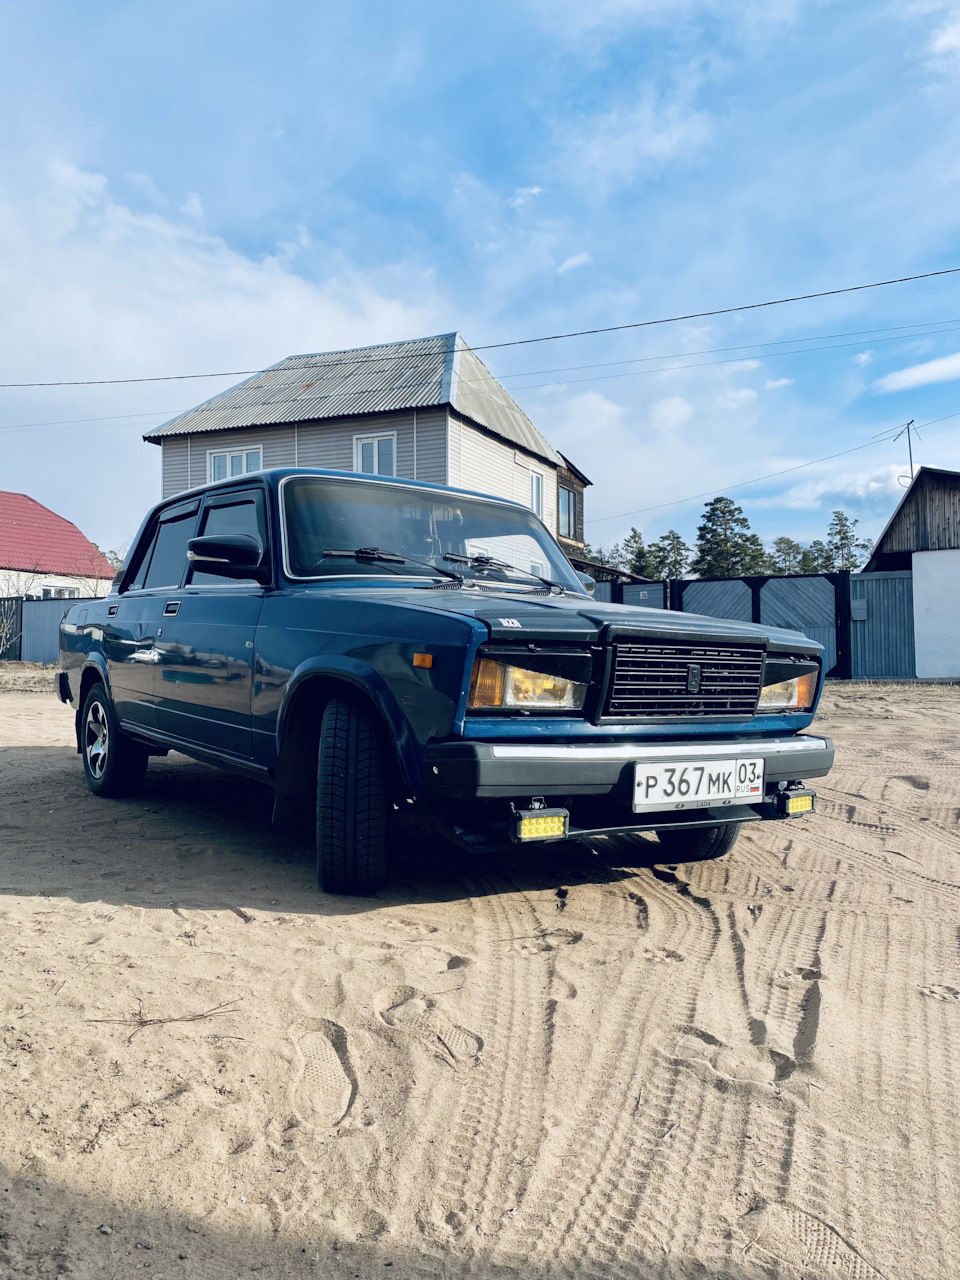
[
  {"x": 881, "y": 626},
  {"x": 815, "y": 604},
  {"x": 40, "y": 640},
  {"x": 804, "y": 604}
]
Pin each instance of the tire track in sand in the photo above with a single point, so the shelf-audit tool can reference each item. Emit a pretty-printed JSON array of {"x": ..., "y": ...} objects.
[{"x": 580, "y": 1221}]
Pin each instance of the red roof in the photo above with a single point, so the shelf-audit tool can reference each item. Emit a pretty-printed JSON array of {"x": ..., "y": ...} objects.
[{"x": 34, "y": 539}]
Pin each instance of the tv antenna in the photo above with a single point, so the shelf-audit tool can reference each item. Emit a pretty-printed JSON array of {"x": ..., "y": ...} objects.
[{"x": 908, "y": 430}]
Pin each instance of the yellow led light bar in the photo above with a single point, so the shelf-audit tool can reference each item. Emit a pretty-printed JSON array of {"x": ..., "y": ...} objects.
[
  {"x": 799, "y": 804},
  {"x": 541, "y": 824}
]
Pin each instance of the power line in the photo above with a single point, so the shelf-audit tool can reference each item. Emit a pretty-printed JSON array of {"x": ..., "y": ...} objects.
[
  {"x": 881, "y": 438},
  {"x": 516, "y": 342},
  {"x": 700, "y": 364}
]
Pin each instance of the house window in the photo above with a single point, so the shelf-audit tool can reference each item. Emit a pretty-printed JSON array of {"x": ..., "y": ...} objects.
[
  {"x": 233, "y": 462},
  {"x": 568, "y": 513},
  {"x": 375, "y": 455},
  {"x": 60, "y": 593},
  {"x": 536, "y": 493}
]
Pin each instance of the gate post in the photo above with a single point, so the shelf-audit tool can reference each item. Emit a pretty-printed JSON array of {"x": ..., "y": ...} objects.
[{"x": 844, "y": 638}]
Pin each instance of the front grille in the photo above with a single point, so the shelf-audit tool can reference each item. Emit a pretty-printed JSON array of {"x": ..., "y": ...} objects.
[{"x": 650, "y": 679}]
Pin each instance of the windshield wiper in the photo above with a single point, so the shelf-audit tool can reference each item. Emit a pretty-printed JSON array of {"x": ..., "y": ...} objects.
[
  {"x": 488, "y": 562},
  {"x": 374, "y": 554}
]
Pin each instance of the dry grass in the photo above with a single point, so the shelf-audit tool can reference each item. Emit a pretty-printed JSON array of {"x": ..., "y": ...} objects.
[{"x": 26, "y": 677}]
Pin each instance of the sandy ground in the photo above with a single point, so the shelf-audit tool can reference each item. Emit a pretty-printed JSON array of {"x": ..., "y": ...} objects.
[{"x": 576, "y": 1064}]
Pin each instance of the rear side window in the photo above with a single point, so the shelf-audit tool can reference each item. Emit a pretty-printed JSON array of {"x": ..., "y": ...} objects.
[
  {"x": 243, "y": 516},
  {"x": 168, "y": 558}
]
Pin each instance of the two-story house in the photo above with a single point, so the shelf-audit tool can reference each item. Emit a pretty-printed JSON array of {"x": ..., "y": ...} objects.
[{"x": 426, "y": 409}]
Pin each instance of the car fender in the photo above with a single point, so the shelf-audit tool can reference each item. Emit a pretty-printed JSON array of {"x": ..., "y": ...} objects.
[{"x": 360, "y": 676}]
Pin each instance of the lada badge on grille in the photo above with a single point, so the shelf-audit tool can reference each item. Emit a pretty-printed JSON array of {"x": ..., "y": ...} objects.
[{"x": 693, "y": 678}]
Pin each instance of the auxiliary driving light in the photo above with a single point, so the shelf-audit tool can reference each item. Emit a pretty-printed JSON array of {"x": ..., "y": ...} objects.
[
  {"x": 540, "y": 824},
  {"x": 793, "y": 804}
]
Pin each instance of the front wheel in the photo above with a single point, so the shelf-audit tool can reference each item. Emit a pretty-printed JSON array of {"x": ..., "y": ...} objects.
[
  {"x": 351, "y": 801},
  {"x": 698, "y": 844},
  {"x": 113, "y": 763}
]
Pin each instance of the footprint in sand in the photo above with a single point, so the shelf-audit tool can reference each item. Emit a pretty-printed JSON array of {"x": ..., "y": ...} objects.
[
  {"x": 406, "y": 1009},
  {"x": 744, "y": 1064},
  {"x": 323, "y": 1092},
  {"x": 792, "y": 1236}
]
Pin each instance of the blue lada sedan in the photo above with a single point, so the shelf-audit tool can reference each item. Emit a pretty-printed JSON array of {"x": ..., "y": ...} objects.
[{"x": 388, "y": 653}]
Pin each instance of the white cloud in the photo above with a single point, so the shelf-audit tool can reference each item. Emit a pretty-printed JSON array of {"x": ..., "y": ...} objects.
[
  {"x": 736, "y": 399},
  {"x": 615, "y": 149},
  {"x": 143, "y": 183},
  {"x": 944, "y": 369},
  {"x": 94, "y": 290},
  {"x": 669, "y": 413},
  {"x": 577, "y": 260},
  {"x": 946, "y": 40},
  {"x": 773, "y": 383},
  {"x": 863, "y": 358},
  {"x": 192, "y": 207},
  {"x": 523, "y": 195}
]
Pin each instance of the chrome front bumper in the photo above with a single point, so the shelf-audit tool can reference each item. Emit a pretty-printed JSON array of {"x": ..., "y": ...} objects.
[{"x": 483, "y": 770}]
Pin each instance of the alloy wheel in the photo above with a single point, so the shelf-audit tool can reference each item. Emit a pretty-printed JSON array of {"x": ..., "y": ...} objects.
[{"x": 96, "y": 739}]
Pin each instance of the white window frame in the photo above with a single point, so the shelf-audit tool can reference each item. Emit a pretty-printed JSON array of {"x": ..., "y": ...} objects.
[
  {"x": 244, "y": 450},
  {"x": 371, "y": 437},
  {"x": 537, "y": 476}
]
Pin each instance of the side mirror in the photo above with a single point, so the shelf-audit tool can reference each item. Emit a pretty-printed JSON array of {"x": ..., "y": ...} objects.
[
  {"x": 228, "y": 555},
  {"x": 590, "y": 584}
]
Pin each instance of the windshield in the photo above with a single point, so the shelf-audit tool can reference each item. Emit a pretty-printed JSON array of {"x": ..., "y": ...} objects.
[{"x": 323, "y": 516}]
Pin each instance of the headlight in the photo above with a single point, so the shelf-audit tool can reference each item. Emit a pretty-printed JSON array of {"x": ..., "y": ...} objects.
[
  {"x": 789, "y": 695},
  {"x": 495, "y": 684}
]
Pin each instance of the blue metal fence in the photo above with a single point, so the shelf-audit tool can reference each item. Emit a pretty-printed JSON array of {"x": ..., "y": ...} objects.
[{"x": 40, "y": 637}]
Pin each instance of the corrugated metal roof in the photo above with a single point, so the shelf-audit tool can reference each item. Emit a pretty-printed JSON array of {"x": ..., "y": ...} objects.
[{"x": 417, "y": 374}]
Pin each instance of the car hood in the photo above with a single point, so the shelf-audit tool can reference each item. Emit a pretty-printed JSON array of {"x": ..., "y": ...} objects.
[{"x": 518, "y": 618}]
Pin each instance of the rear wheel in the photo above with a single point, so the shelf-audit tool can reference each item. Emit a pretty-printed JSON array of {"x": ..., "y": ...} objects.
[
  {"x": 113, "y": 763},
  {"x": 351, "y": 801},
  {"x": 699, "y": 844}
]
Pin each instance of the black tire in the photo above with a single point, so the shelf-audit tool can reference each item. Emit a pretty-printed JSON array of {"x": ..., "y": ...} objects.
[
  {"x": 351, "y": 801},
  {"x": 113, "y": 763},
  {"x": 699, "y": 843}
]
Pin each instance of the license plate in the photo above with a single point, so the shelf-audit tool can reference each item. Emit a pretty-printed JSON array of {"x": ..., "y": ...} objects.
[{"x": 697, "y": 784}]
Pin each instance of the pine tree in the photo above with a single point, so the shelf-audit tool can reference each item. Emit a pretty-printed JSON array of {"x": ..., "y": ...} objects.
[
  {"x": 668, "y": 557},
  {"x": 786, "y": 556},
  {"x": 635, "y": 554},
  {"x": 848, "y": 551},
  {"x": 725, "y": 546},
  {"x": 817, "y": 558}
]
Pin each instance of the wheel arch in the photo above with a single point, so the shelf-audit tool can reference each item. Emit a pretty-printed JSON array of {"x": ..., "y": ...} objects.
[
  {"x": 298, "y": 735},
  {"x": 93, "y": 672}
]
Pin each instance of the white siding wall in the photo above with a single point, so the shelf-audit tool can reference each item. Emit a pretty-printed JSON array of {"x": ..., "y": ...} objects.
[
  {"x": 936, "y": 613},
  {"x": 493, "y": 466}
]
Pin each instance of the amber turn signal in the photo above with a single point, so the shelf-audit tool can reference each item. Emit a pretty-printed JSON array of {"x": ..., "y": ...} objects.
[{"x": 423, "y": 659}]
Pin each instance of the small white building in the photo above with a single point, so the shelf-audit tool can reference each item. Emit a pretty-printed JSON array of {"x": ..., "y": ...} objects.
[
  {"x": 923, "y": 535},
  {"x": 45, "y": 557},
  {"x": 425, "y": 409}
]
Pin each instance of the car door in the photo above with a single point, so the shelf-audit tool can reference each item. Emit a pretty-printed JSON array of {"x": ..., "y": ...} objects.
[
  {"x": 204, "y": 671},
  {"x": 133, "y": 621}
]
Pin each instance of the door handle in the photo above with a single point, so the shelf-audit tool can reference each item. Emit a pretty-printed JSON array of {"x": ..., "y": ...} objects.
[{"x": 171, "y": 608}]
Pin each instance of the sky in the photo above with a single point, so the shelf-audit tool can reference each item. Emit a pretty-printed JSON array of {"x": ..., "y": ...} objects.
[{"x": 208, "y": 187}]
